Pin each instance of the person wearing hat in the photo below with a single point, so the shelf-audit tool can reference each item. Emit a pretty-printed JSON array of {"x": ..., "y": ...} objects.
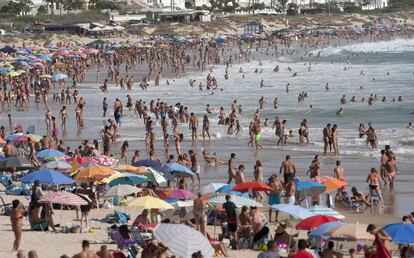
[{"x": 281, "y": 236}]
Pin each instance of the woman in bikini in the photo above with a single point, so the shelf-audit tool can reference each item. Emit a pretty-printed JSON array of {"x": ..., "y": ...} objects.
[
  {"x": 374, "y": 184},
  {"x": 16, "y": 218}
]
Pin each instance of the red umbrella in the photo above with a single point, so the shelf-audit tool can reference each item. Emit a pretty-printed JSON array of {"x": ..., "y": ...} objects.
[
  {"x": 256, "y": 186},
  {"x": 313, "y": 222}
]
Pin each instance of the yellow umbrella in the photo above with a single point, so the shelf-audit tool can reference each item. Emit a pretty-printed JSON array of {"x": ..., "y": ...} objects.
[
  {"x": 13, "y": 74},
  {"x": 109, "y": 179},
  {"x": 94, "y": 173},
  {"x": 149, "y": 202}
]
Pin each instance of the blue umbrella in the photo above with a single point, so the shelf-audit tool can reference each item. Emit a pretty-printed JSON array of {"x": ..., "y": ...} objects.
[
  {"x": 310, "y": 188},
  {"x": 47, "y": 176},
  {"x": 59, "y": 76},
  {"x": 147, "y": 163},
  {"x": 400, "y": 233},
  {"x": 293, "y": 210},
  {"x": 128, "y": 179},
  {"x": 50, "y": 154},
  {"x": 221, "y": 40},
  {"x": 5, "y": 70},
  {"x": 225, "y": 189},
  {"x": 45, "y": 57},
  {"x": 180, "y": 170},
  {"x": 156, "y": 165},
  {"x": 322, "y": 229}
]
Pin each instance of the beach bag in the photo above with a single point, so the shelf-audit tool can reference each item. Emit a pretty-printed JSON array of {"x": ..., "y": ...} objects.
[{"x": 122, "y": 217}]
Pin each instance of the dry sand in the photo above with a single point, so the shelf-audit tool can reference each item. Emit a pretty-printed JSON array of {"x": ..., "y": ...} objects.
[{"x": 52, "y": 245}]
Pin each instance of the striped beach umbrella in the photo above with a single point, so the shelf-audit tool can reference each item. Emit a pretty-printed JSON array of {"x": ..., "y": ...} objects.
[
  {"x": 183, "y": 240},
  {"x": 63, "y": 198},
  {"x": 322, "y": 210}
]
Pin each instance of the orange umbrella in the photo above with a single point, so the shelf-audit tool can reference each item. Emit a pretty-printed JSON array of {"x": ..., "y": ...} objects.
[
  {"x": 331, "y": 183},
  {"x": 93, "y": 173},
  {"x": 254, "y": 185}
]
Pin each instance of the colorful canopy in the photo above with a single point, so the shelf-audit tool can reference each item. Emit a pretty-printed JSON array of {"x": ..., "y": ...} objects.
[
  {"x": 93, "y": 173},
  {"x": 127, "y": 179},
  {"x": 181, "y": 194},
  {"x": 47, "y": 176},
  {"x": 103, "y": 160},
  {"x": 183, "y": 241},
  {"x": 64, "y": 198},
  {"x": 254, "y": 185},
  {"x": 332, "y": 184},
  {"x": 149, "y": 202},
  {"x": 314, "y": 222}
]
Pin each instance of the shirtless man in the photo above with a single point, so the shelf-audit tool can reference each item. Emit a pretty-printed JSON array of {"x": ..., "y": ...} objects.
[
  {"x": 200, "y": 215},
  {"x": 339, "y": 171},
  {"x": 193, "y": 126},
  {"x": 288, "y": 169},
  {"x": 330, "y": 252},
  {"x": 240, "y": 175},
  {"x": 86, "y": 253},
  {"x": 231, "y": 169},
  {"x": 104, "y": 252},
  {"x": 391, "y": 167},
  {"x": 290, "y": 191},
  {"x": 359, "y": 197},
  {"x": 327, "y": 139}
]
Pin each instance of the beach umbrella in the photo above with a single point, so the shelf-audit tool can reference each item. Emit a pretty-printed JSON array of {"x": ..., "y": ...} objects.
[
  {"x": 253, "y": 185},
  {"x": 293, "y": 210},
  {"x": 183, "y": 241},
  {"x": 181, "y": 194},
  {"x": 239, "y": 201},
  {"x": 310, "y": 188},
  {"x": 121, "y": 190},
  {"x": 313, "y": 222},
  {"x": 332, "y": 184},
  {"x": 34, "y": 137},
  {"x": 47, "y": 177},
  {"x": 5, "y": 70},
  {"x": 11, "y": 137},
  {"x": 50, "y": 154},
  {"x": 322, "y": 210},
  {"x": 64, "y": 198},
  {"x": 211, "y": 187},
  {"x": 13, "y": 74},
  {"x": 93, "y": 173},
  {"x": 322, "y": 229},
  {"x": 59, "y": 76},
  {"x": 149, "y": 202},
  {"x": 57, "y": 165},
  {"x": 180, "y": 170},
  {"x": 45, "y": 57},
  {"x": 400, "y": 233},
  {"x": 15, "y": 163},
  {"x": 128, "y": 179},
  {"x": 103, "y": 160},
  {"x": 132, "y": 169},
  {"x": 350, "y": 231},
  {"x": 8, "y": 50},
  {"x": 225, "y": 188},
  {"x": 147, "y": 163},
  {"x": 156, "y": 177}
]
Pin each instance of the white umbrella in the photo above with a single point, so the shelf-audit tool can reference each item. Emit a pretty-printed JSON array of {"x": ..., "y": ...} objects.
[
  {"x": 293, "y": 210},
  {"x": 183, "y": 240},
  {"x": 211, "y": 188},
  {"x": 239, "y": 201},
  {"x": 350, "y": 231},
  {"x": 322, "y": 210},
  {"x": 121, "y": 190}
]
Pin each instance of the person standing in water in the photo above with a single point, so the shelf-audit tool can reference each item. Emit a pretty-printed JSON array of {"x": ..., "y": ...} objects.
[
  {"x": 193, "y": 126},
  {"x": 231, "y": 167},
  {"x": 288, "y": 168}
]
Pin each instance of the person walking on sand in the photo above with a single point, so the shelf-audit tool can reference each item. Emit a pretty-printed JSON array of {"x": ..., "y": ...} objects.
[{"x": 16, "y": 218}]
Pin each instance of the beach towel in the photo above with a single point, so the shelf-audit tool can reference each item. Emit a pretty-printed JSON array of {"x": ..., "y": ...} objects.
[{"x": 122, "y": 217}]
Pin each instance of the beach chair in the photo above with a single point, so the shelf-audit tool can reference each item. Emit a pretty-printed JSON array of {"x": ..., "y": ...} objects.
[
  {"x": 124, "y": 244},
  {"x": 5, "y": 208},
  {"x": 141, "y": 240}
]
